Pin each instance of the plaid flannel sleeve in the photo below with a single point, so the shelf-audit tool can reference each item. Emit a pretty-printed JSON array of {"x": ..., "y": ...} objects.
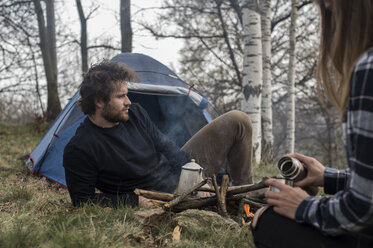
[
  {"x": 335, "y": 180},
  {"x": 351, "y": 208}
]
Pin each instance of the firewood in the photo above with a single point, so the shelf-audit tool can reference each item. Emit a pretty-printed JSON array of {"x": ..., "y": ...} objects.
[
  {"x": 222, "y": 207},
  {"x": 232, "y": 190},
  {"x": 246, "y": 188},
  {"x": 154, "y": 195},
  {"x": 240, "y": 210},
  {"x": 223, "y": 189},
  {"x": 253, "y": 203},
  {"x": 259, "y": 194},
  {"x": 190, "y": 203},
  {"x": 184, "y": 195}
]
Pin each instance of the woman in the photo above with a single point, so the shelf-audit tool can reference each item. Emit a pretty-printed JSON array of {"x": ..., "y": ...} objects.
[{"x": 345, "y": 76}]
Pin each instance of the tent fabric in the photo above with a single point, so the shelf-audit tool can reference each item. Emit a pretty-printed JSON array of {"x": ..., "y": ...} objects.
[{"x": 178, "y": 111}]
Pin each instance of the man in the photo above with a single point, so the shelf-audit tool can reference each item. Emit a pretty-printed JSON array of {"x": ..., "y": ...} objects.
[{"x": 118, "y": 148}]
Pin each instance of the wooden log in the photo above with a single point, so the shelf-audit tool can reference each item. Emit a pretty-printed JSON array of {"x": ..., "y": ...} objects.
[
  {"x": 246, "y": 188},
  {"x": 154, "y": 195},
  {"x": 223, "y": 190},
  {"x": 222, "y": 207},
  {"x": 241, "y": 209},
  {"x": 253, "y": 203},
  {"x": 184, "y": 195},
  {"x": 211, "y": 190},
  {"x": 259, "y": 194},
  {"x": 190, "y": 203},
  {"x": 232, "y": 190}
]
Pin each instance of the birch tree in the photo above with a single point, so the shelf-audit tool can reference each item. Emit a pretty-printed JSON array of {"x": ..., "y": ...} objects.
[
  {"x": 267, "y": 140},
  {"x": 47, "y": 36},
  {"x": 290, "y": 126},
  {"x": 252, "y": 71}
]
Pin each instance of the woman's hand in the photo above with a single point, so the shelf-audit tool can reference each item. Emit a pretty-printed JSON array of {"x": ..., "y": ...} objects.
[
  {"x": 287, "y": 200},
  {"x": 315, "y": 171}
]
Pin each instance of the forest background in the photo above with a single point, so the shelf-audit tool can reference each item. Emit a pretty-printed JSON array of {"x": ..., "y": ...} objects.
[{"x": 256, "y": 56}]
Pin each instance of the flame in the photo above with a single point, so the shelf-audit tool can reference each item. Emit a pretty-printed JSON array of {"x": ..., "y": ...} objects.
[{"x": 247, "y": 210}]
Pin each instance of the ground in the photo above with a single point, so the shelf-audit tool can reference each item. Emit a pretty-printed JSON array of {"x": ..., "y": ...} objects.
[{"x": 37, "y": 213}]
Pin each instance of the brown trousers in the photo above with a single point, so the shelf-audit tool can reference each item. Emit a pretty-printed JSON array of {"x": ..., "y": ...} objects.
[{"x": 228, "y": 137}]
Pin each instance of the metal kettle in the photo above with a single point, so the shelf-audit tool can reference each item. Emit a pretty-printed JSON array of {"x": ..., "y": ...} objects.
[{"x": 191, "y": 174}]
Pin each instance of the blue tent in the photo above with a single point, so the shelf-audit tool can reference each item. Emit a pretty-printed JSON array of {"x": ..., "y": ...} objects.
[{"x": 175, "y": 108}]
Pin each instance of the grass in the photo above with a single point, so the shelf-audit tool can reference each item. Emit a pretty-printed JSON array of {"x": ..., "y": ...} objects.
[{"x": 37, "y": 213}]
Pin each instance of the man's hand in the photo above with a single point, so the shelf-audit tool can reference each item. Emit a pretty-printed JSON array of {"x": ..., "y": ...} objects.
[
  {"x": 144, "y": 202},
  {"x": 287, "y": 200},
  {"x": 205, "y": 193},
  {"x": 315, "y": 171}
]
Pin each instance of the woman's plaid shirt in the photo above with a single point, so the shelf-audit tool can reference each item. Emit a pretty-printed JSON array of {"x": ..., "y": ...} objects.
[{"x": 350, "y": 209}]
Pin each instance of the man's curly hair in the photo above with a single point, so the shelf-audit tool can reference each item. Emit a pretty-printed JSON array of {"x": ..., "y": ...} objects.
[{"x": 101, "y": 81}]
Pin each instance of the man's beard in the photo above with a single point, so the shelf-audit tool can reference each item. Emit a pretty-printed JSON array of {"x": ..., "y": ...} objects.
[{"x": 114, "y": 116}]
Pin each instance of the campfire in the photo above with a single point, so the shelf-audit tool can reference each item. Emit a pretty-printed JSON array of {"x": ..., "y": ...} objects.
[{"x": 236, "y": 202}]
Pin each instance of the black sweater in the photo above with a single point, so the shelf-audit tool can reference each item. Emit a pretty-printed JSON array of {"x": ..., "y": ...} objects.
[{"x": 133, "y": 154}]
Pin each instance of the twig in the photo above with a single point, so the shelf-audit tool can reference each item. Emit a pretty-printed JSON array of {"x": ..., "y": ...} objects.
[
  {"x": 253, "y": 203},
  {"x": 154, "y": 195},
  {"x": 223, "y": 190},
  {"x": 222, "y": 207},
  {"x": 194, "y": 203},
  {"x": 246, "y": 188},
  {"x": 178, "y": 199},
  {"x": 240, "y": 188}
]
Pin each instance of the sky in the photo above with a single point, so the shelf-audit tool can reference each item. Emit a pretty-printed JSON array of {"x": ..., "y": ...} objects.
[{"x": 105, "y": 21}]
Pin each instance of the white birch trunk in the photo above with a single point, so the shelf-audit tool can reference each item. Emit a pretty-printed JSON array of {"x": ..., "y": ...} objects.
[
  {"x": 267, "y": 140},
  {"x": 252, "y": 71},
  {"x": 290, "y": 127}
]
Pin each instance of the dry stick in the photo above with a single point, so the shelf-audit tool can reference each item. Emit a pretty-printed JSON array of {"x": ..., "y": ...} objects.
[
  {"x": 195, "y": 203},
  {"x": 253, "y": 203},
  {"x": 259, "y": 194},
  {"x": 154, "y": 195},
  {"x": 223, "y": 190},
  {"x": 246, "y": 188},
  {"x": 258, "y": 200},
  {"x": 178, "y": 199},
  {"x": 241, "y": 209},
  {"x": 240, "y": 188},
  {"x": 222, "y": 208}
]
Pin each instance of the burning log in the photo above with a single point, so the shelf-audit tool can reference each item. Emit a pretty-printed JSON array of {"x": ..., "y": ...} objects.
[{"x": 253, "y": 202}]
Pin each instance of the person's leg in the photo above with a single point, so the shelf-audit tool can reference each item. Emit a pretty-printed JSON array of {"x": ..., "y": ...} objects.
[
  {"x": 274, "y": 230},
  {"x": 228, "y": 136}
]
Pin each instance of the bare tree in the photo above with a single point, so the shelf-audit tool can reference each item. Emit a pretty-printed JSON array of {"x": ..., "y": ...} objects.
[
  {"x": 290, "y": 129},
  {"x": 125, "y": 26},
  {"x": 267, "y": 139},
  {"x": 48, "y": 49},
  {"x": 83, "y": 33},
  {"x": 83, "y": 36},
  {"x": 252, "y": 71}
]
